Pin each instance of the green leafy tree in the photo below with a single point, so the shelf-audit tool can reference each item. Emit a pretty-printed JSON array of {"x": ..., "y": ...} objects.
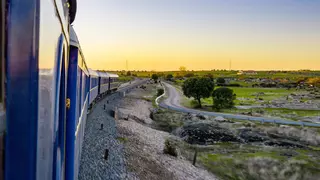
[
  {"x": 169, "y": 76},
  {"x": 209, "y": 75},
  {"x": 155, "y": 77},
  {"x": 223, "y": 98},
  {"x": 198, "y": 87},
  {"x": 221, "y": 81},
  {"x": 128, "y": 73}
]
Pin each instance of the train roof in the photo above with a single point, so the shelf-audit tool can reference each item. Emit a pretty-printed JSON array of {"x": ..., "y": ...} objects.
[
  {"x": 106, "y": 74},
  {"x": 113, "y": 75},
  {"x": 103, "y": 74},
  {"x": 93, "y": 73}
]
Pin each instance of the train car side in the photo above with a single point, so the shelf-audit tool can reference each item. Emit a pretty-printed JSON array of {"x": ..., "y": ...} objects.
[
  {"x": 78, "y": 95},
  {"x": 36, "y": 63},
  {"x": 94, "y": 85}
]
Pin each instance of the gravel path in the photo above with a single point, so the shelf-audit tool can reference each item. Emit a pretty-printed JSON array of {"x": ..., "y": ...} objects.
[
  {"x": 92, "y": 164},
  {"x": 143, "y": 146},
  {"x": 144, "y": 154}
]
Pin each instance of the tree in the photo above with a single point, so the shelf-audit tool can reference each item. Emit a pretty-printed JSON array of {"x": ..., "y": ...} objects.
[
  {"x": 198, "y": 87},
  {"x": 128, "y": 73},
  {"x": 154, "y": 77},
  {"x": 223, "y": 98},
  {"x": 188, "y": 75},
  {"x": 182, "y": 68},
  {"x": 221, "y": 81},
  {"x": 209, "y": 75},
  {"x": 169, "y": 76}
]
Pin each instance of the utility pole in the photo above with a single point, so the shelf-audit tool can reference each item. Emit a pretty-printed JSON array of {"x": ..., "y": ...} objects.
[{"x": 230, "y": 64}]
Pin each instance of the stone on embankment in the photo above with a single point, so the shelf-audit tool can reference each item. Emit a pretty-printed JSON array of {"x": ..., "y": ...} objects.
[
  {"x": 249, "y": 135},
  {"x": 285, "y": 143},
  {"x": 206, "y": 133}
]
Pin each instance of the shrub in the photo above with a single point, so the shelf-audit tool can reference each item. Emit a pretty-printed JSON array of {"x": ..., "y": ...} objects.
[
  {"x": 230, "y": 85},
  {"x": 170, "y": 148},
  {"x": 223, "y": 98},
  {"x": 160, "y": 92},
  {"x": 221, "y": 81},
  {"x": 188, "y": 75},
  {"x": 155, "y": 77},
  {"x": 169, "y": 76}
]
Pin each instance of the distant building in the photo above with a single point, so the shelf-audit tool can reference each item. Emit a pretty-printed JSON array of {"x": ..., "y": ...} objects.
[{"x": 250, "y": 72}]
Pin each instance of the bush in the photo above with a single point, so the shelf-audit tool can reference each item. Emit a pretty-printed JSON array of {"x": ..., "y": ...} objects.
[
  {"x": 188, "y": 75},
  {"x": 169, "y": 76},
  {"x": 221, "y": 81},
  {"x": 160, "y": 92},
  {"x": 230, "y": 85},
  {"x": 223, "y": 98},
  {"x": 155, "y": 77},
  {"x": 170, "y": 148}
]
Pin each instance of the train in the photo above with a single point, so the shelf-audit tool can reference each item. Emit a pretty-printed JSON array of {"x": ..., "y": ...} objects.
[{"x": 46, "y": 89}]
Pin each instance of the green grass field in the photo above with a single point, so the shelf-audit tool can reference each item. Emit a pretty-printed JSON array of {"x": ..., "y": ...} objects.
[
  {"x": 228, "y": 74},
  {"x": 246, "y": 92}
]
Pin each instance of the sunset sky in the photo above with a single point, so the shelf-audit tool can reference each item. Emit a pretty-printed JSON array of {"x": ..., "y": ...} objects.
[{"x": 199, "y": 34}]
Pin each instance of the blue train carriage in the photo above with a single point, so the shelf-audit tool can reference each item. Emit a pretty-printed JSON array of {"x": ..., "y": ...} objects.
[
  {"x": 77, "y": 100},
  {"x": 33, "y": 97},
  {"x": 107, "y": 83},
  {"x": 113, "y": 82},
  {"x": 103, "y": 82},
  {"x": 94, "y": 85}
]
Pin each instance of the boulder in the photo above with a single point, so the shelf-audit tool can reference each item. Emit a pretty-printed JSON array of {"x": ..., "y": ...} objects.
[
  {"x": 284, "y": 143},
  {"x": 220, "y": 118},
  {"x": 200, "y": 116},
  {"x": 248, "y": 135},
  {"x": 206, "y": 133}
]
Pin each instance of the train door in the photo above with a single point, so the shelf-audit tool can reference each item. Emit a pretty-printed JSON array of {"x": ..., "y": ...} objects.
[
  {"x": 2, "y": 74},
  {"x": 109, "y": 83},
  {"x": 72, "y": 89},
  {"x": 99, "y": 84},
  {"x": 60, "y": 113}
]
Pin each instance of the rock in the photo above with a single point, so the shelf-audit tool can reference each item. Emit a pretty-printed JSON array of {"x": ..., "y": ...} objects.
[
  {"x": 249, "y": 124},
  {"x": 220, "y": 118},
  {"x": 252, "y": 136},
  {"x": 200, "y": 116},
  {"x": 170, "y": 148},
  {"x": 284, "y": 126},
  {"x": 284, "y": 143},
  {"x": 206, "y": 133},
  {"x": 289, "y": 153}
]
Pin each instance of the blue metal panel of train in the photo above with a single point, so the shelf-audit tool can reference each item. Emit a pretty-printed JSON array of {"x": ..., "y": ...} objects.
[{"x": 46, "y": 88}]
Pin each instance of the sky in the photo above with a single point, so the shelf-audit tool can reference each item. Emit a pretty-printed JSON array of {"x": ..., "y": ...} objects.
[{"x": 199, "y": 34}]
